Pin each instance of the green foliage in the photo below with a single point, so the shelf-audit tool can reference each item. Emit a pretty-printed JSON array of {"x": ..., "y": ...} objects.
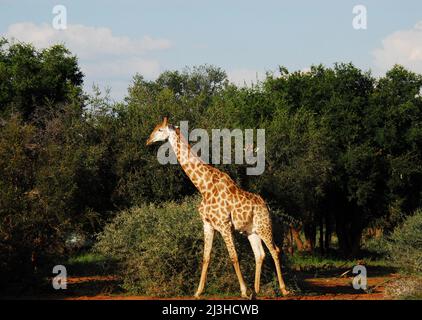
[
  {"x": 405, "y": 247},
  {"x": 377, "y": 246},
  {"x": 368, "y": 132},
  {"x": 16, "y": 170},
  {"x": 40, "y": 164},
  {"x": 29, "y": 78},
  {"x": 297, "y": 166},
  {"x": 52, "y": 186},
  {"x": 33, "y": 207},
  {"x": 314, "y": 262}
]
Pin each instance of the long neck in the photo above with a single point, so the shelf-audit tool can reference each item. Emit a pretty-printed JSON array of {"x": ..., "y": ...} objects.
[{"x": 195, "y": 168}]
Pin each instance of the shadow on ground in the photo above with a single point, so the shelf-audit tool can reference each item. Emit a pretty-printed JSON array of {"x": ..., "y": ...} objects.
[
  {"x": 337, "y": 281},
  {"x": 97, "y": 280}
]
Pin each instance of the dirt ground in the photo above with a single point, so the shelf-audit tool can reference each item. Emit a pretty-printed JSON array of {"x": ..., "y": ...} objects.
[{"x": 323, "y": 288}]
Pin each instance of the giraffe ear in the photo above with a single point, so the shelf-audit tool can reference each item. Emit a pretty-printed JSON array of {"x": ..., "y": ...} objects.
[{"x": 165, "y": 121}]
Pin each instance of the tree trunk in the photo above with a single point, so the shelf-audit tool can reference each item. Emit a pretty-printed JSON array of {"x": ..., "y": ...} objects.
[
  {"x": 321, "y": 234},
  {"x": 296, "y": 236},
  {"x": 328, "y": 233},
  {"x": 349, "y": 232},
  {"x": 378, "y": 233},
  {"x": 291, "y": 241},
  {"x": 34, "y": 261},
  {"x": 310, "y": 236},
  {"x": 355, "y": 237}
]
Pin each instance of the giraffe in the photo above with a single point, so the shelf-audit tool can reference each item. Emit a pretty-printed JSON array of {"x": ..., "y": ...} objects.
[{"x": 224, "y": 207}]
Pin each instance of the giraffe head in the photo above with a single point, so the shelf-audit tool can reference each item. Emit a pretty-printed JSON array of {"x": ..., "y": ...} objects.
[{"x": 161, "y": 132}]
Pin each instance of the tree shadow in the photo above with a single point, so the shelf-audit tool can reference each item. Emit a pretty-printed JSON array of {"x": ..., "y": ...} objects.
[{"x": 336, "y": 281}]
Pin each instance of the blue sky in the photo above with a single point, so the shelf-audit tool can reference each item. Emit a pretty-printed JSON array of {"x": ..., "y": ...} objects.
[{"x": 116, "y": 39}]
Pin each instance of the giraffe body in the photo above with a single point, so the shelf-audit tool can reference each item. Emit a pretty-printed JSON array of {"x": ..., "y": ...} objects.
[{"x": 224, "y": 207}]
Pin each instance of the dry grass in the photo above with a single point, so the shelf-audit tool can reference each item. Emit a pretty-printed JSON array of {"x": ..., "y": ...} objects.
[{"x": 405, "y": 288}]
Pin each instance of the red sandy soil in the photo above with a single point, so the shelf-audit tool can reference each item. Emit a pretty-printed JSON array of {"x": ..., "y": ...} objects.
[{"x": 329, "y": 288}]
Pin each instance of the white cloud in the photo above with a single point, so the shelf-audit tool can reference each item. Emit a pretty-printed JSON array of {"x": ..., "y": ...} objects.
[
  {"x": 402, "y": 47},
  {"x": 242, "y": 77},
  {"x": 120, "y": 68},
  {"x": 105, "y": 59},
  {"x": 305, "y": 70},
  {"x": 86, "y": 41}
]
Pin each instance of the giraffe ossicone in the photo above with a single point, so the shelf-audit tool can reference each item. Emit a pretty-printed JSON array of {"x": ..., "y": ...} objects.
[{"x": 224, "y": 207}]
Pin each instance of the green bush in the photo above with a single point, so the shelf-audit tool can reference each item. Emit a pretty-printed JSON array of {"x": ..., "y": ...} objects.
[
  {"x": 160, "y": 252},
  {"x": 377, "y": 246},
  {"x": 405, "y": 248},
  {"x": 31, "y": 234}
]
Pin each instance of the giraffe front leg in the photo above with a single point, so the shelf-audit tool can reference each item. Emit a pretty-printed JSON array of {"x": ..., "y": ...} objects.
[
  {"x": 228, "y": 239},
  {"x": 208, "y": 239}
]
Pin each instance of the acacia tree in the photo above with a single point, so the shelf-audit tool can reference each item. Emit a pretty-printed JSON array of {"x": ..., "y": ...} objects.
[
  {"x": 49, "y": 166},
  {"x": 339, "y": 98},
  {"x": 297, "y": 168},
  {"x": 394, "y": 123},
  {"x": 29, "y": 78}
]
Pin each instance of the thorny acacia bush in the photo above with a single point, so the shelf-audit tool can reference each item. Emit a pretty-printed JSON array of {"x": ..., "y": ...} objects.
[
  {"x": 405, "y": 251},
  {"x": 160, "y": 250},
  {"x": 405, "y": 248}
]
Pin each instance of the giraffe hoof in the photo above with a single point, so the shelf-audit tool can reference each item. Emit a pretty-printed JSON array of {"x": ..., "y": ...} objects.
[
  {"x": 252, "y": 296},
  {"x": 244, "y": 295},
  {"x": 285, "y": 293}
]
